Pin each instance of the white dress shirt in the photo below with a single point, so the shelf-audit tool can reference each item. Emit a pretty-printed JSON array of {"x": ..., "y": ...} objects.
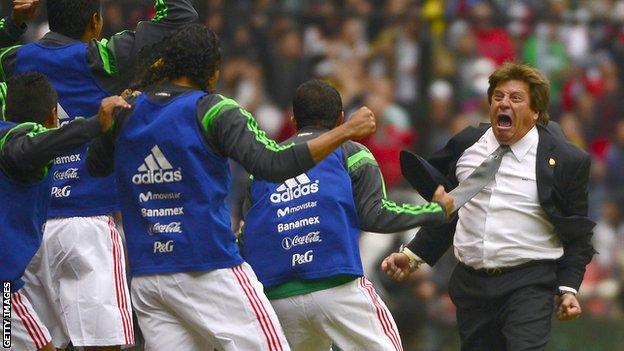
[{"x": 504, "y": 224}]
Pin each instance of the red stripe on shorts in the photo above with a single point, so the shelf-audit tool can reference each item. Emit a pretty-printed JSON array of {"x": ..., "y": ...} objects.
[
  {"x": 266, "y": 314},
  {"x": 29, "y": 322},
  {"x": 119, "y": 289},
  {"x": 265, "y": 322},
  {"x": 382, "y": 314},
  {"x": 385, "y": 313}
]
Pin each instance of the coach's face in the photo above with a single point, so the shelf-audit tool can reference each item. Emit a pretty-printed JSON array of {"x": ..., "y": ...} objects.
[{"x": 511, "y": 115}]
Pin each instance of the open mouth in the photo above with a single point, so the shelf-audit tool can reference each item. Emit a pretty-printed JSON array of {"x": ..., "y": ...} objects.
[{"x": 503, "y": 121}]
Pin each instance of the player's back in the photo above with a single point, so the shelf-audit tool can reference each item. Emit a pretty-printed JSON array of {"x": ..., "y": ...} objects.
[
  {"x": 74, "y": 192},
  {"x": 172, "y": 189}
]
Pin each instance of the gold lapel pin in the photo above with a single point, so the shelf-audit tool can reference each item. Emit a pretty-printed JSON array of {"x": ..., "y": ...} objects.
[{"x": 551, "y": 162}]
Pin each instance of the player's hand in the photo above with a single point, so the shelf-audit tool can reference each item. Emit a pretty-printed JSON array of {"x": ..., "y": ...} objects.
[
  {"x": 568, "y": 307},
  {"x": 108, "y": 108},
  {"x": 24, "y": 10},
  {"x": 444, "y": 199},
  {"x": 397, "y": 266},
  {"x": 361, "y": 123}
]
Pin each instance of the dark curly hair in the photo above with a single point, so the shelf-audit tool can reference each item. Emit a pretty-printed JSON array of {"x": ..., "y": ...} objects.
[
  {"x": 316, "y": 103},
  {"x": 191, "y": 51}
]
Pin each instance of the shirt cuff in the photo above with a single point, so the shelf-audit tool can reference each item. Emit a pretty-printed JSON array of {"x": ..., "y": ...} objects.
[
  {"x": 415, "y": 260},
  {"x": 567, "y": 288}
]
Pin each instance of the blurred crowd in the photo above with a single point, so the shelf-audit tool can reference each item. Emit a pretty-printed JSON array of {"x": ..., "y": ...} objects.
[{"x": 422, "y": 67}]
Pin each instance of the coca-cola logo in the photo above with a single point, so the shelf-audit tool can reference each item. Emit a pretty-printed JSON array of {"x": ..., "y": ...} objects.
[
  {"x": 70, "y": 173},
  {"x": 158, "y": 228},
  {"x": 310, "y": 238}
]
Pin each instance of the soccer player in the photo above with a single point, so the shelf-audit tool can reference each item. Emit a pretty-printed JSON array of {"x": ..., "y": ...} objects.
[
  {"x": 190, "y": 286},
  {"x": 27, "y": 148},
  {"x": 301, "y": 237},
  {"x": 77, "y": 280}
]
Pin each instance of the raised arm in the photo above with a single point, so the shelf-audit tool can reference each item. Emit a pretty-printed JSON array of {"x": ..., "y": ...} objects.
[
  {"x": 11, "y": 29},
  {"x": 112, "y": 60},
  {"x": 234, "y": 132}
]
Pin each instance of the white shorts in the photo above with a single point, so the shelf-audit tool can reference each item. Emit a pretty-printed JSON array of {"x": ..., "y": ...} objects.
[
  {"x": 351, "y": 315},
  {"x": 223, "y": 309},
  {"x": 27, "y": 331},
  {"x": 77, "y": 283}
]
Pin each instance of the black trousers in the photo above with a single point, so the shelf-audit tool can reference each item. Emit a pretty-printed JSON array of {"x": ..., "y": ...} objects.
[{"x": 511, "y": 311}]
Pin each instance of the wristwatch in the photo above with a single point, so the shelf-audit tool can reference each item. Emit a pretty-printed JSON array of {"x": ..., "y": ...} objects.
[{"x": 415, "y": 261}]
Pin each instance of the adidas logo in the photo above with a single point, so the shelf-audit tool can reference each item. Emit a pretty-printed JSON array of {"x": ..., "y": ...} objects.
[
  {"x": 63, "y": 116},
  {"x": 294, "y": 188},
  {"x": 156, "y": 169}
]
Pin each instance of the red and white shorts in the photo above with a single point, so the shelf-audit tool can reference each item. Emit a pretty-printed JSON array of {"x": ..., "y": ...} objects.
[
  {"x": 223, "y": 308},
  {"x": 350, "y": 315},
  {"x": 77, "y": 283},
  {"x": 27, "y": 331}
]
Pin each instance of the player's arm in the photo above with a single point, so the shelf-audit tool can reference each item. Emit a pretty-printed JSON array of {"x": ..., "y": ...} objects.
[
  {"x": 376, "y": 212},
  {"x": 577, "y": 248},
  {"x": 112, "y": 60},
  {"x": 12, "y": 27},
  {"x": 233, "y": 132},
  {"x": 27, "y": 150}
]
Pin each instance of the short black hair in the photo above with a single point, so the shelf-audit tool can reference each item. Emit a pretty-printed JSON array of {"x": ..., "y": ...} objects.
[
  {"x": 192, "y": 51},
  {"x": 30, "y": 98},
  {"x": 317, "y": 103},
  {"x": 71, "y": 17}
]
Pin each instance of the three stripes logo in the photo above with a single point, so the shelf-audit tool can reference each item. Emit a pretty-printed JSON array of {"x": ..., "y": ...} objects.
[
  {"x": 294, "y": 188},
  {"x": 156, "y": 169}
]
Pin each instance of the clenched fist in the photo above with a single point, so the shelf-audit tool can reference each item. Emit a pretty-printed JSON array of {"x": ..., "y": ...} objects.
[
  {"x": 568, "y": 307},
  {"x": 397, "y": 266},
  {"x": 361, "y": 123},
  {"x": 24, "y": 10}
]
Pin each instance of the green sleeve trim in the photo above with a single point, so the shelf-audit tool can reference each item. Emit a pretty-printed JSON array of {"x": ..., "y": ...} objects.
[
  {"x": 261, "y": 136},
  {"x": 432, "y": 207},
  {"x": 252, "y": 124},
  {"x": 4, "y": 52},
  {"x": 161, "y": 11},
  {"x": 383, "y": 185},
  {"x": 389, "y": 205},
  {"x": 359, "y": 159},
  {"x": 214, "y": 111},
  {"x": 108, "y": 57},
  {"x": 3, "y": 93},
  {"x": 36, "y": 129},
  {"x": 2, "y": 23}
]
